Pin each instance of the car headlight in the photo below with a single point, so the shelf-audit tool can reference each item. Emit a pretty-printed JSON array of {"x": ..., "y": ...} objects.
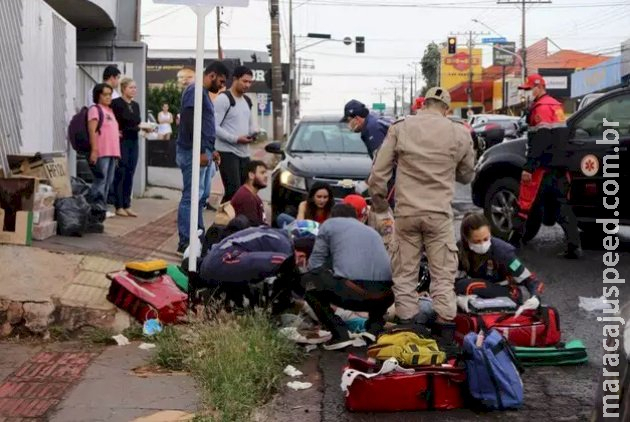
[{"x": 290, "y": 180}]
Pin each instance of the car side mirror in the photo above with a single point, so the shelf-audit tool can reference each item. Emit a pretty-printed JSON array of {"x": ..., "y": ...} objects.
[{"x": 274, "y": 148}]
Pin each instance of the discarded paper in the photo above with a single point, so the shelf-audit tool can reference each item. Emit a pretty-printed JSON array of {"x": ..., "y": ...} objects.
[
  {"x": 590, "y": 304},
  {"x": 146, "y": 346},
  {"x": 291, "y": 371},
  {"x": 121, "y": 340},
  {"x": 297, "y": 385}
]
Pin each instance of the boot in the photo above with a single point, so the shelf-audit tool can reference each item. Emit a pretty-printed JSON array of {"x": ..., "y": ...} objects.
[
  {"x": 444, "y": 333},
  {"x": 573, "y": 252}
]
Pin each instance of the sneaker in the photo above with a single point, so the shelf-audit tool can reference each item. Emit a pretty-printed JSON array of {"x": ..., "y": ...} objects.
[
  {"x": 572, "y": 253},
  {"x": 110, "y": 214}
]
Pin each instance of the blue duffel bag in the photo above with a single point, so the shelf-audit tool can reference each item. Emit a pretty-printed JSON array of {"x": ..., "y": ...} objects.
[{"x": 494, "y": 379}]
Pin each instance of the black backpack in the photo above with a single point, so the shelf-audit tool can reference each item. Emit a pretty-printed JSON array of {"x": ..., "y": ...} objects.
[{"x": 228, "y": 94}]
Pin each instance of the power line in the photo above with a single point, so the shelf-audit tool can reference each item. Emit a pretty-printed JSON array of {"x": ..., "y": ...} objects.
[{"x": 459, "y": 5}]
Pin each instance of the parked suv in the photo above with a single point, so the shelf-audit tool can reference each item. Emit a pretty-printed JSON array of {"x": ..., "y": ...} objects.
[
  {"x": 320, "y": 149},
  {"x": 497, "y": 173}
]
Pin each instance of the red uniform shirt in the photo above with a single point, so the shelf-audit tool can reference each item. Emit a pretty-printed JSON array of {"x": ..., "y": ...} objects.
[{"x": 545, "y": 109}]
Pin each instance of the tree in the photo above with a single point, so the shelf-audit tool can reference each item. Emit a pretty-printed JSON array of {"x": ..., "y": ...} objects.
[
  {"x": 169, "y": 93},
  {"x": 430, "y": 65}
]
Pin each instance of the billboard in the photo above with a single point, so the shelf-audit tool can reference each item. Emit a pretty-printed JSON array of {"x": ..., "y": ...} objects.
[
  {"x": 602, "y": 76},
  {"x": 454, "y": 68},
  {"x": 558, "y": 81}
]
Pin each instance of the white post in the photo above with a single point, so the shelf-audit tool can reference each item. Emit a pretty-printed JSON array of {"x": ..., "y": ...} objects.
[{"x": 202, "y": 12}]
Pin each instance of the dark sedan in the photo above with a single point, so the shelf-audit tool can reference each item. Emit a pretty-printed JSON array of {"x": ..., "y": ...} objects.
[{"x": 320, "y": 149}]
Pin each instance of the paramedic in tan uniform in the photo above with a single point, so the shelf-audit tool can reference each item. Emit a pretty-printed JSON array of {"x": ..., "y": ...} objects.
[{"x": 431, "y": 152}]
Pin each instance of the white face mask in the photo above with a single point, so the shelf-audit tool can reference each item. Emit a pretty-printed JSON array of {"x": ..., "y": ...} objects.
[{"x": 480, "y": 248}]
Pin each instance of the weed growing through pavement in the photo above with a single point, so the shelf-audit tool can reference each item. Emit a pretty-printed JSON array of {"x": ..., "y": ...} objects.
[{"x": 237, "y": 361}]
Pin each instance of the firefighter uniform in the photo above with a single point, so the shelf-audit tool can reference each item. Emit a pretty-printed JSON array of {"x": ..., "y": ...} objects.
[
  {"x": 550, "y": 178},
  {"x": 429, "y": 153},
  {"x": 496, "y": 273}
]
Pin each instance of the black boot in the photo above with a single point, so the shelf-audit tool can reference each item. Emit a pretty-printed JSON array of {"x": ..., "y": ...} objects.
[
  {"x": 444, "y": 333},
  {"x": 573, "y": 252}
]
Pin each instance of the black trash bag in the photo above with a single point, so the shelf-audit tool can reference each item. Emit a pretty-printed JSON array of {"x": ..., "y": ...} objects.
[
  {"x": 72, "y": 215},
  {"x": 79, "y": 186},
  {"x": 97, "y": 215}
]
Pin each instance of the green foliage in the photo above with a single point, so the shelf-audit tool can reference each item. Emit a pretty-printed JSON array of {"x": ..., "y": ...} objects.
[
  {"x": 237, "y": 360},
  {"x": 430, "y": 66}
]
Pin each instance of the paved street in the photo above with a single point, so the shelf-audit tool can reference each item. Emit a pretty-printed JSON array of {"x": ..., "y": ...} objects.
[{"x": 553, "y": 394}]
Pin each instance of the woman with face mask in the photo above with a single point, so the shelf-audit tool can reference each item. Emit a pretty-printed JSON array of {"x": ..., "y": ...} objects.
[{"x": 489, "y": 267}]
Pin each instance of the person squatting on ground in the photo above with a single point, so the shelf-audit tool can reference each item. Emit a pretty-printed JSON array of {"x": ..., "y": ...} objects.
[
  {"x": 489, "y": 267},
  {"x": 214, "y": 78},
  {"x": 104, "y": 143},
  {"x": 127, "y": 113},
  {"x": 431, "y": 153},
  {"x": 246, "y": 200},
  {"x": 235, "y": 130},
  {"x": 316, "y": 207},
  {"x": 349, "y": 268},
  {"x": 543, "y": 176}
]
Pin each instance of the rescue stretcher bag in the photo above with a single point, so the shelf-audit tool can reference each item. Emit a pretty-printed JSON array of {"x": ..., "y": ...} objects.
[
  {"x": 539, "y": 328},
  {"x": 160, "y": 298},
  {"x": 146, "y": 269},
  {"x": 426, "y": 388},
  {"x": 570, "y": 353}
]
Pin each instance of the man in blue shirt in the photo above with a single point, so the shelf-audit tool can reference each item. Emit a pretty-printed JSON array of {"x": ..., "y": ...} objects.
[
  {"x": 213, "y": 80},
  {"x": 373, "y": 129}
]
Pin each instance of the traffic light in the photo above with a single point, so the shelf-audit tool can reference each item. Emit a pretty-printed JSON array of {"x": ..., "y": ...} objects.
[
  {"x": 269, "y": 49},
  {"x": 359, "y": 43},
  {"x": 452, "y": 45}
]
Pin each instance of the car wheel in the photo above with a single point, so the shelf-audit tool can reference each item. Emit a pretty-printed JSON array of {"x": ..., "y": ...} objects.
[{"x": 500, "y": 206}]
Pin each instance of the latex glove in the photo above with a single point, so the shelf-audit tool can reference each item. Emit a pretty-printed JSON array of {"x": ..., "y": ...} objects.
[
  {"x": 462, "y": 302},
  {"x": 530, "y": 304},
  {"x": 361, "y": 188}
]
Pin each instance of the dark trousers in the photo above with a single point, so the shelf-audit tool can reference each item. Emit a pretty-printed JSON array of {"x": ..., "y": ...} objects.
[
  {"x": 324, "y": 290},
  {"x": 123, "y": 180},
  {"x": 548, "y": 186},
  {"x": 233, "y": 173},
  {"x": 487, "y": 290}
]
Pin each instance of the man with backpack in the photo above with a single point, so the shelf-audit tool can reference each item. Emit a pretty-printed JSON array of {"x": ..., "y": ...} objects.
[{"x": 235, "y": 130}]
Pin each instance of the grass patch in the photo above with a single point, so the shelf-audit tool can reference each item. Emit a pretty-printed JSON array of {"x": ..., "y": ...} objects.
[{"x": 237, "y": 360}]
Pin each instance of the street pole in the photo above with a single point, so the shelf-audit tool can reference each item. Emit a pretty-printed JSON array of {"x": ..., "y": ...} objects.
[
  {"x": 276, "y": 70},
  {"x": 299, "y": 87},
  {"x": 411, "y": 94},
  {"x": 292, "y": 72},
  {"x": 402, "y": 96},
  {"x": 395, "y": 103},
  {"x": 202, "y": 12},
  {"x": 470, "y": 71},
  {"x": 503, "y": 99},
  {"x": 219, "y": 49},
  {"x": 523, "y": 46}
]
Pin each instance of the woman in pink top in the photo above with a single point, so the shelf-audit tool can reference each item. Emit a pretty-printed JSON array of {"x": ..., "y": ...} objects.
[{"x": 105, "y": 143}]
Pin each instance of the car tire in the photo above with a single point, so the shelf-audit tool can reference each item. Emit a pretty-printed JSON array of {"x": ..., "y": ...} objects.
[{"x": 500, "y": 207}]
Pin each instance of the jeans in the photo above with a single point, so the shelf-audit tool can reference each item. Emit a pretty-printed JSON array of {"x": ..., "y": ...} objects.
[
  {"x": 374, "y": 297},
  {"x": 233, "y": 173},
  {"x": 284, "y": 219},
  {"x": 103, "y": 171},
  {"x": 123, "y": 181},
  {"x": 184, "y": 160},
  {"x": 211, "y": 170}
]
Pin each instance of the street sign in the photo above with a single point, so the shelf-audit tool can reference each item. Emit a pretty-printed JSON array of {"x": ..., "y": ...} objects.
[
  {"x": 495, "y": 40},
  {"x": 378, "y": 106},
  {"x": 500, "y": 57},
  {"x": 262, "y": 102}
]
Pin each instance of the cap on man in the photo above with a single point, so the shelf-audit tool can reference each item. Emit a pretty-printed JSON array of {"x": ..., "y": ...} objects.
[
  {"x": 372, "y": 129},
  {"x": 359, "y": 204}
]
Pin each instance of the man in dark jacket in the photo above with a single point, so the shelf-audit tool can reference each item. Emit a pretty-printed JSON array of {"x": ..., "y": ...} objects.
[{"x": 373, "y": 130}]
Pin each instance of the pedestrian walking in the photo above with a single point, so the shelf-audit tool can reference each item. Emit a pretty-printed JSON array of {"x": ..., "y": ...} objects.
[
  {"x": 235, "y": 130},
  {"x": 127, "y": 113},
  {"x": 214, "y": 78},
  {"x": 544, "y": 177},
  {"x": 431, "y": 152},
  {"x": 105, "y": 144}
]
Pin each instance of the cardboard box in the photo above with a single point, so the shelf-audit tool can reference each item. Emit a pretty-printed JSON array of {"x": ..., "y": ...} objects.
[
  {"x": 54, "y": 170},
  {"x": 16, "y": 210}
]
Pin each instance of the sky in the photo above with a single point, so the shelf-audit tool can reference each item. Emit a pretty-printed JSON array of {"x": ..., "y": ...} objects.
[{"x": 396, "y": 33}]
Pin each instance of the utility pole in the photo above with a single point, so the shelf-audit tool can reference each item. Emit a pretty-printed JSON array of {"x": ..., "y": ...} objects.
[
  {"x": 276, "y": 70},
  {"x": 522, "y": 4},
  {"x": 293, "y": 100},
  {"x": 402, "y": 95},
  {"x": 219, "y": 49},
  {"x": 395, "y": 103}
]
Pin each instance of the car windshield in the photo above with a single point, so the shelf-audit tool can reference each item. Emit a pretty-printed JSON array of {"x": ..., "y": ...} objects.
[{"x": 328, "y": 138}]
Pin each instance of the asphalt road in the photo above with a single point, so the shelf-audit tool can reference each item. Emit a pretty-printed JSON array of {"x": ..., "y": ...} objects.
[{"x": 551, "y": 394}]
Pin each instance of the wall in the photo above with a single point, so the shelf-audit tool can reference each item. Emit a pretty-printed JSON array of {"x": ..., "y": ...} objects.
[{"x": 38, "y": 87}]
